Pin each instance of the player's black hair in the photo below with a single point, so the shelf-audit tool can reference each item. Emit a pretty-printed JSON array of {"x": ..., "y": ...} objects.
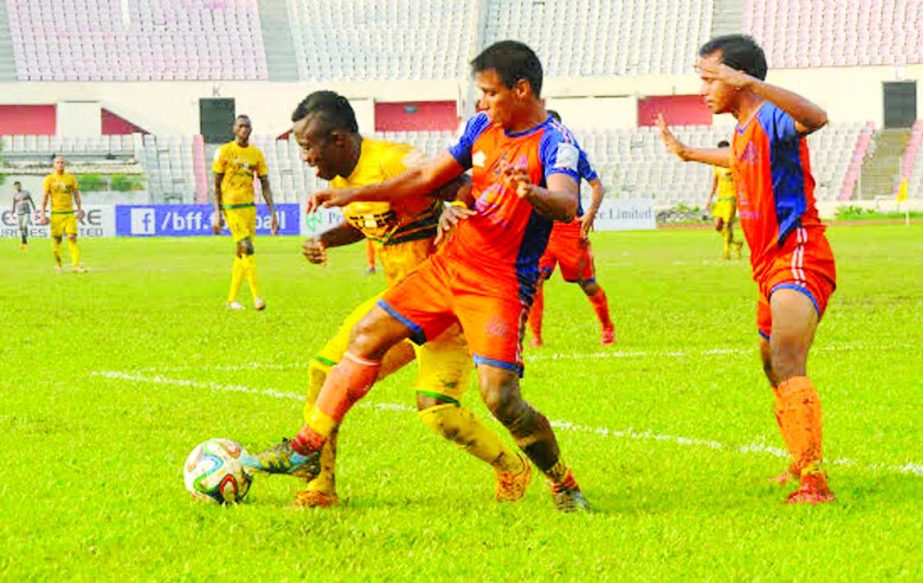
[
  {"x": 512, "y": 60},
  {"x": 554, "y": 114},
  {"x": 724, "y": 144},
  {"x": 331, "y": 107},
  {"x": 242, "y": 116},
  {"x": 738, "y": 51},
  {"x": 17, "y": 183}
]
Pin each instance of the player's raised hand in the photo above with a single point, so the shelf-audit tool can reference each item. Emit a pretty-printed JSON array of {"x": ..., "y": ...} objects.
[
  {"x": 709, "y": 70},
  {"x": 670, "y": 140},
  {"x": 314, "y": 251},
  {"x": 449, "y": 219},
  {"x": 517, "y": 177}
]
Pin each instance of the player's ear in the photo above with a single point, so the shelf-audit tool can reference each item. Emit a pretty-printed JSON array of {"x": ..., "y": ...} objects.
[
  {"x": 522, "y": 88},
  {"x": 339, "y": 137}
]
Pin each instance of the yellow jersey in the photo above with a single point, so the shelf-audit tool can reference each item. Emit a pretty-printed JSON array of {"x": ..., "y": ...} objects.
[
  {"x": 62, "y": 188},
  {"x": 389, "y": 223},
  {"x": 726, "y": 189},
  {"x": 239, "y": 166}
]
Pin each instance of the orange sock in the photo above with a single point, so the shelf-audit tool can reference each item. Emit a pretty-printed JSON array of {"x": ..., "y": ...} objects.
[
  {"x": 536, "y": 313},
  {"x": 370, "y": 253},
  {"x": 799, "y": 415},
  {"x": 345, "y": 385},
  {"x": 601, "y": 305}
]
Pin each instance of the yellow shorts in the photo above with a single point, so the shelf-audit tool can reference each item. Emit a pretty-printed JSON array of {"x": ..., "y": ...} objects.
[
  {"x": 63, "y": 223},
  {"x": 402, "y": 258},
  {"x": 443, "y": 363},
  {"x": 241, "y": 222},
  {"x": 725, "y": 210}
]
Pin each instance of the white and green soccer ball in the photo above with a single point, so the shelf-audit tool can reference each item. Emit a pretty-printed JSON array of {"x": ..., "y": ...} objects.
[{"x": 213, "y": 472}]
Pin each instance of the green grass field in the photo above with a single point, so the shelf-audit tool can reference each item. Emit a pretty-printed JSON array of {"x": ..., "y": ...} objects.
[{"x": 110, "y": 378}]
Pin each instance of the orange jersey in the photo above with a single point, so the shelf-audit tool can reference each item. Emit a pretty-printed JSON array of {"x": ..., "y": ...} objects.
[
  {"x": 775, "y": 189},
  {"x": 504, "y": 240}
]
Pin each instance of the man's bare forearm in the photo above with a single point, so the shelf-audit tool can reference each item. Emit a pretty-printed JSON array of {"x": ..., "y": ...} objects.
[
  {"x": 340, "y": 235},
  {"x": 555, "y": 205}
]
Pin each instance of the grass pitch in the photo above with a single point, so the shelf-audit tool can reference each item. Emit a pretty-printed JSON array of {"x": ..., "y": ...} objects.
[{"x": 109, "y": 379}]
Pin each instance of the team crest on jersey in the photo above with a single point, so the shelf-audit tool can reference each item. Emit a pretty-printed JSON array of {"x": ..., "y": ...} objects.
[
  {"x": 750, "y": 155},
  {"x": 478, "y": 159},
  {"x": 567, "y": 157}
]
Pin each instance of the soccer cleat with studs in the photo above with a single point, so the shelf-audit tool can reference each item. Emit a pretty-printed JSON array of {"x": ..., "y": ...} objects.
[{"x": 283, "y": 459}]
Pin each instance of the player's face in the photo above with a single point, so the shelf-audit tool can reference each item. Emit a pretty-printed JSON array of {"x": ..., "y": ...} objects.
[
  {"x": 497, "y": 100},
  {"x": 242, "y": 130},
  {"x": 59, "y": 165},
  {"x": 719, "y": 96},
  {"x": 319, "y": 147}
]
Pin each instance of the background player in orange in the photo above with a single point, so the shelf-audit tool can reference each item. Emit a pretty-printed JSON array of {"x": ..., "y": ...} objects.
[
  {"x": 569, "y": 247},
  {"x": 724, "y": 210},
  {"x": 236, "y": 165},
  {"x": 61, "y": 189},
  {"x": 524, "y": 176},
  {"x": 792, "y": 261}
]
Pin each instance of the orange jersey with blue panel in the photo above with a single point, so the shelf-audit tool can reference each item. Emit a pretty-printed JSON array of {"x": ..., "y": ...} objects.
[
  {"x": 777, "y": 211},
  {"x": 567, "y": 246},
  {"x": 485, "y": 275}
]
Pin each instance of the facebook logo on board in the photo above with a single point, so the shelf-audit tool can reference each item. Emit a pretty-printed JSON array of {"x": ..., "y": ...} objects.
[
  {"x": 142, "y": 221},
  {"x": 191, "y": 220}
]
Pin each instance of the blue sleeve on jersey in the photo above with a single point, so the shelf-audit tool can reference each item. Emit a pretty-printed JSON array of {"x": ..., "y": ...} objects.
[
  {"x": 559, "y": 153},
  {"x": 779, "y": 126},
  {"x": 461, "y": 150},
  {"x": 585, "y": 168}
]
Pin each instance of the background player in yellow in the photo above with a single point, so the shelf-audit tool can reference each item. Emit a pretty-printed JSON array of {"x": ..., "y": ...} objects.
[
  {"x": 61, "y": 189},
  {"x": 724, "y": 210},
  {"x": 236, "y": 164},
  {"x": 326, "y": 128}
]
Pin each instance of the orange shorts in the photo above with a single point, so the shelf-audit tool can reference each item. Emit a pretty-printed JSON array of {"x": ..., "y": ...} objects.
[
  {"x": 569, "y": 250},
  {"x": 438, "y": 294},
  {"x": 804, "y": 263}
]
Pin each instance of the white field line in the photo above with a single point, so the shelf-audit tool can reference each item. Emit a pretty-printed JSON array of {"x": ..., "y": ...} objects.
[
  {"x": 601, "y": 355},
  {"x": 910, "y": 468}
]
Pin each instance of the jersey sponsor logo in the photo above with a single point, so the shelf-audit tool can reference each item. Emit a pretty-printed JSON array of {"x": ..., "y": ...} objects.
[
  {"x": 567, "y": 157},
  {"x": 750, "y": 155}
]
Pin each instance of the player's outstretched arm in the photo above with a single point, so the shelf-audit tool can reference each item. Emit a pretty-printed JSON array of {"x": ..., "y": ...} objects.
[
  {"x": 712, "y": 156},
  {"x": 427, "y": 177}
]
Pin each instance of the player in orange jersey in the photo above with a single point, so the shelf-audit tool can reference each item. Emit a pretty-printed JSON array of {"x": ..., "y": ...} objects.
[
  {"x": 569, "y": 247},
  {"x": 524, "y": 177},
  {"x": 792, "y": 261}
]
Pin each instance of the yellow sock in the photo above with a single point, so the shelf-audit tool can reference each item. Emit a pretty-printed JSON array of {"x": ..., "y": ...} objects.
[
  {"x": 325, "y": 480},
  {"x": 462, "y": 427},
  {"x": 727, "y": 236},
  {"x": 237, "y": 276},
  {"x": 252, "y": 279},
  {"x": 56, "y": 250},
  {"x": 74, "y": 251}
]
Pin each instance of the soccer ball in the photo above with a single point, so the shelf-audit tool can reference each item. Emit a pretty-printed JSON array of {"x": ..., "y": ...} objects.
[{"x": 213, "y": 472}]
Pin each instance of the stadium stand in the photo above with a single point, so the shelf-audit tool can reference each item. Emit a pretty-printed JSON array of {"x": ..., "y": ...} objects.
[
  {"x": 824, "y": 33},
  {"x": 912, "y": 163},
  {"x": 352, "y": 40},
  {"x": 652, "y": 36},
  {"x": 98, "y": 40}
]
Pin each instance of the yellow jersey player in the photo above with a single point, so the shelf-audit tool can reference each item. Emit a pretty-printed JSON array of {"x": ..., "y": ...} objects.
[
  {"x": 724, "y": 210},
  {"x": 236, "y": 165},
  {"x": 61, "y": 189},
  {"x": 403, "y": 233}
]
